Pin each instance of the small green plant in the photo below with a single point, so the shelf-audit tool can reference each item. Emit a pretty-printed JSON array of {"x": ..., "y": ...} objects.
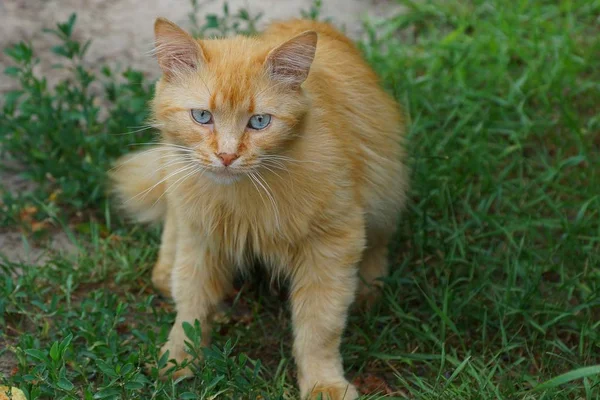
[
  {"x": 66, "y": 135},
  {"x": 74, "y": 336},
  {"x": 227, "y": 24},
  {"x": 314, "y": 12}
]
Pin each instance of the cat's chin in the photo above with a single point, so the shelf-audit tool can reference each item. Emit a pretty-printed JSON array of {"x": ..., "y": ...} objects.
[{"x": 224, "y": 177}]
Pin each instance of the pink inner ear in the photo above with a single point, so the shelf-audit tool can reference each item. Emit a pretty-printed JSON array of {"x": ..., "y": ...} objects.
[
  {"x": 176, "y": 56},
  {"x": 291, "y": 61},
  {"x": 176, "y": 50}
]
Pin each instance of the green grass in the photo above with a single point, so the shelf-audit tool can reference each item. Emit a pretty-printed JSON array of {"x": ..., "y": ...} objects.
[
  {"x": 495, "y": 290},
  {"x": 67, "y": 135}
]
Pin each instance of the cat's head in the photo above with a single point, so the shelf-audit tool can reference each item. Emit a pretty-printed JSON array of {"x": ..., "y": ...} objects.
[{"x": 231, "y": 104}]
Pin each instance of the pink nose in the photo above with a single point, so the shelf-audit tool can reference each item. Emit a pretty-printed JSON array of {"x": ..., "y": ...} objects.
[{"x": 227, "y": 158}]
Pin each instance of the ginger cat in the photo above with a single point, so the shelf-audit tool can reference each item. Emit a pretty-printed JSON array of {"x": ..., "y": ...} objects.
[{"x": 280, "y": 147}]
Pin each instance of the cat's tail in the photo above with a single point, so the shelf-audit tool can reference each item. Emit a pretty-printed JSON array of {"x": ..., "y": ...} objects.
[{"x": 137, "y": 182}]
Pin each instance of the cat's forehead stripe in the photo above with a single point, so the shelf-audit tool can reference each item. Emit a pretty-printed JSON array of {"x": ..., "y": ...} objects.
[
  {"x": 233, "y": 93},
  {"x": 212, "y": 104},
  {"x": 251, "y": 106},
  {"x": 236, "y": 66}
]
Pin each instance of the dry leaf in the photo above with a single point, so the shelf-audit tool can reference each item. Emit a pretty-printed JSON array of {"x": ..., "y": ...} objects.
[
  {"x": 26, "y": 214},
  {"x": 17, "y": 394},
  {"x": 371, "y": 384}
]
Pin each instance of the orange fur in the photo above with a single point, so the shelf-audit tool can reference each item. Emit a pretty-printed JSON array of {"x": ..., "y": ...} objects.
[{"x": 315, "y": 195}]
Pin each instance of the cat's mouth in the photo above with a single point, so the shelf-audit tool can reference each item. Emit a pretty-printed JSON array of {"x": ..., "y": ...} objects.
[{"x": 225, "y": 175}]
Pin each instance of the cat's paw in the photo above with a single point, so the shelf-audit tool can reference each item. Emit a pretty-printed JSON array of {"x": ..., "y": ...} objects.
[
  {"x": 164, "y": 373},
  {"x": 335, "y": 391},
  {"x": 180, "y": 373},
  {"x": 178, "y": 354},
  {"x": 367, "y": 296}
]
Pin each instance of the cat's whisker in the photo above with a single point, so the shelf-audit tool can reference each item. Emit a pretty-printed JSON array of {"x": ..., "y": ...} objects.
[
  {"x": 162, "y": 144},
  {"x": 205, "y": 85},
  {"x": 173, "y": 163},
  {"x": 283, "y": 164},
  {"x": 153, "y": 149},
  {"x": 264, "y": 184},
  {"x": 169, "y": 159},
  {"x": 273, "y": 168},
  {"x": 144, "y": 193},
  {"x": 177, "y": 183},
  {"x": 174, "y": 156},
  {"x": 137, "y": 130},
  {"x": 165, "y": 166},
  {"x": 145, "y": 152},
  {"x": 171, "y": 156},
  {"x": 288, "y": 159},
  {"x": 273, "y": 172},
  {"x": 275, "y": 160},
  {"x": 149, "y": 190},
  {"x": 253, "y": 180},
  {"x": 276, "y": 165},
  {"x": 135, "y": 157}
]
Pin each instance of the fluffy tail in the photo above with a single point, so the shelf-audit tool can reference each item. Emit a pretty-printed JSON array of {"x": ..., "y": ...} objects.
[{"x": 136, "y": 180}]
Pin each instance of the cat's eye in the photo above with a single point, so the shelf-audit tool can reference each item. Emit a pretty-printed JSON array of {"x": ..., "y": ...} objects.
[
  {"x": 202, "y": 116},
  {"x": 259, "y": 121}
]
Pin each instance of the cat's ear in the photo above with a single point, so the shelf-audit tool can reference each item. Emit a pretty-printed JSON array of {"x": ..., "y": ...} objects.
[
  {"x": 290, "y": 62},
  {"x": 176, "y": 50}
]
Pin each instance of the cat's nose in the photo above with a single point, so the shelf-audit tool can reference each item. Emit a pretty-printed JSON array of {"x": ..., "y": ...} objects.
[{"x": 227, "y": 158}]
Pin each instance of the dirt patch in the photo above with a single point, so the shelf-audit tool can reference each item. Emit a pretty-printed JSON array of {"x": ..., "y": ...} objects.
[
  {"x": 17, "y": 247},
  {"x": 8, "y": 361}
]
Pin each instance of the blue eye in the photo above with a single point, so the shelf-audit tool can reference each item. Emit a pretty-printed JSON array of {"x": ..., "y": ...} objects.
[
  {"x": 259, "y": 121},
  {"x": 202, "y": 116}
]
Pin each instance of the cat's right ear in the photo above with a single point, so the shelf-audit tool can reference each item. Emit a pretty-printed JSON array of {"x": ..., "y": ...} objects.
[
  {"x": 290, "y": 62},
  {"x": 176, "y": 50}
]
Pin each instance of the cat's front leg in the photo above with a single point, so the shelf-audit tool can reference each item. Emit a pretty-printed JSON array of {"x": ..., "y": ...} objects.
[
  {"x": 323, "y": 288},
  {"x": 200, "y": 281},
  {"x": 162, "y": 271}
]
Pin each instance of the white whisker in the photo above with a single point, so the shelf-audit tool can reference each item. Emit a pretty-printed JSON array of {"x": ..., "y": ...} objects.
[
  {"x": 144, "y": 193},
  {"x": 139, "y": 129},
  {"x": 272, "y": 171},
  {"x": 177, "y": 183},
  {"x": 264, "y": 184},
  {"x": 253, "y": 180}
]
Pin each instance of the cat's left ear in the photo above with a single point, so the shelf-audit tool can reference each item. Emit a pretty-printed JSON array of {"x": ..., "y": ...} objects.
[
  {"x": 176, "y": 50},
  {"x": 290, "y": 62}
]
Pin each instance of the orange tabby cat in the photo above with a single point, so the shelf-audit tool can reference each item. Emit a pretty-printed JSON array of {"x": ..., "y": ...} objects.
[{"x": 282, "y": 148}]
